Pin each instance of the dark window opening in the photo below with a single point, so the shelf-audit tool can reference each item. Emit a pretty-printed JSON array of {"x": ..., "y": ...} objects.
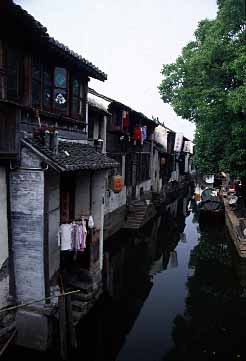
[
  {"x": 91, "y": 128},
  {"x": 142, "y": 169},
  {"x": 13, "y": 73},
  {"x": 47, "y": 88},
  {"x": 76, "y": 97}
]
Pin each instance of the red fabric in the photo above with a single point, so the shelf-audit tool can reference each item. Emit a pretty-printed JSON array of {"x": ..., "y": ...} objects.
[
  {"x": 137, "y": 134},
  {"x": 125, "y": 120}
]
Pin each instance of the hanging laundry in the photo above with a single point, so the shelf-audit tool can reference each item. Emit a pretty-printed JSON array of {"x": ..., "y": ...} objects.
[
  {"x": 64, "y": 237},
  {"x": 137, "y": 134},
  {"x": 125, "y": 119},
  {"x": 83, "y": 235},
  {"x": 144, "y": 132},
  {"x": 74, "y": 236},
  {"x": 91, "y": 222}
]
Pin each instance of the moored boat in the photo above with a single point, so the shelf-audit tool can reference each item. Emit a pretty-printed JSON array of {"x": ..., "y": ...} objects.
[{"x": 211, "y": 207}]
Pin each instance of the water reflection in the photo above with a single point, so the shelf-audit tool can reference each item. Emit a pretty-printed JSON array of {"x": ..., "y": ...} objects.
[{"x": 213, "y": 324}]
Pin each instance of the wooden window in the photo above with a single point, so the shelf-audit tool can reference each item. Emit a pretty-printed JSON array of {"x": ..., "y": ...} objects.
[
  {"x": 51, "y": 90},
  {"x": 60, "y": 95},
  {"x": 47, "y": 88},
  {"x": 77, "y": 93},
  {"x": 13, "y": 73}
]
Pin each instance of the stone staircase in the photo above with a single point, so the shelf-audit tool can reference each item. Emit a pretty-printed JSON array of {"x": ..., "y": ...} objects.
[
  {"x": 83, "y": 301},
  {"x": 158, "y": 198},
  {"x": 139, "y": 213}
]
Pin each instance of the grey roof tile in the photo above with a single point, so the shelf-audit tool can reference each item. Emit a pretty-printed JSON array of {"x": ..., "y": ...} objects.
[{"x": 73, "y": 156}]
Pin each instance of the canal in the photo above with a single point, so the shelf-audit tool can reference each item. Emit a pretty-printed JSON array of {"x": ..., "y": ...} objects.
[{"x": 175, "y": 290}]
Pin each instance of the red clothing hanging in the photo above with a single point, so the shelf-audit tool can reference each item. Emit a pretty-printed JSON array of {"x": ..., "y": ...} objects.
[
  {"x": 125, "y": 119},
  {"x": 137, "y": 133}
]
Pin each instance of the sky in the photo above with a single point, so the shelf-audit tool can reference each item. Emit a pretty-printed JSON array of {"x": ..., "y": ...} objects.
[{"x": 129, "y": 40}]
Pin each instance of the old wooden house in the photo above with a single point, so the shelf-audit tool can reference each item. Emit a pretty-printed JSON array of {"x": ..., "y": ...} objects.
[
  {"x": 52, "y": 178},
  {"x": 130, "y": 142}
]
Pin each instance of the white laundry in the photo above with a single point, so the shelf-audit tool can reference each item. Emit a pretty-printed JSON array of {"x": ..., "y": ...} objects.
[
  {"x": 65, "y": 237},
  {"x": 90, "y": 222}
]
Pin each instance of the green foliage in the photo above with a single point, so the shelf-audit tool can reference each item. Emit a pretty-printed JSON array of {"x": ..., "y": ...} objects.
[{"x": 207, "y": 85}]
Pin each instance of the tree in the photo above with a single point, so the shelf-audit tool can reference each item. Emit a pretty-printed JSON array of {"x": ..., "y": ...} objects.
[{"x": 207, "y": 86}]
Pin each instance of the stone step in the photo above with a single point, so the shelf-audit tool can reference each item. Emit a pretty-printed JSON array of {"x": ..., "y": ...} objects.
[
  {"x": 135, "y": 219},
  {"x": 76, "y": 317},
  {"x": 78, "y": 305}
]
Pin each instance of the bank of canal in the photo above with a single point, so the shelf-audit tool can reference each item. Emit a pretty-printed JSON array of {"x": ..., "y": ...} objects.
[{"x": 173, "y": 291}]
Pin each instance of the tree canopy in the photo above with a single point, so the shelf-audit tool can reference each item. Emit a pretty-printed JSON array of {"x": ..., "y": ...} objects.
[{"x": 207, "y": 86}]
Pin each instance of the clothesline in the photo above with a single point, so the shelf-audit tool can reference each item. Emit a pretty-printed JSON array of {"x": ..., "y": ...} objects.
[{"x": 72, "y": 236}]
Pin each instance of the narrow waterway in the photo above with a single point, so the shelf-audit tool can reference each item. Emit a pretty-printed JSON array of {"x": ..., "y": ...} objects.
[{"x": 174, "y": 290}]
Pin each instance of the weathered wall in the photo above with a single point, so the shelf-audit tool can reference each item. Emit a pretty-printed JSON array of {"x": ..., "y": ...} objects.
[
  {"x": 187, "y": 156},
  {"x": 114, "y": 201},
  {"x": 27, "y": 216},
  {"x": 98, "y": 192},
  {"x": 82, "y": 195},
  {"x": 114, "y": 221},
  {"x": 146, "y": 185},
  {"x": 155, "y": 173},
  {"x": 53, "y": 213},
  {"x": 3, "y": 218}
]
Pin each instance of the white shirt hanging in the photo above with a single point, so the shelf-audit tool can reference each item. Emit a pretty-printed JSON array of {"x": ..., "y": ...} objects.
[
  {"x": 90, "y": 222},
  {"x": 65, "y": 237}
]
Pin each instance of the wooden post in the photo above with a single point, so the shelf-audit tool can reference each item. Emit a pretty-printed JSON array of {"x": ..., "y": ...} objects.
[
  {"x": 63, "y": 328},
  {"x": 72, "y": 339}
]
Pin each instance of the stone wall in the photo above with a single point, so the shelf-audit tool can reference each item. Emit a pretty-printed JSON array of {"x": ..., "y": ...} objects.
[
  {"x": 3, "y": 218},
  {"x": 27, "y": 221}
]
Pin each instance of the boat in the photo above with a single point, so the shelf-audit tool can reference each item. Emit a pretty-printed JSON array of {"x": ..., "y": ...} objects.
[{"x": 211, "y": 206}]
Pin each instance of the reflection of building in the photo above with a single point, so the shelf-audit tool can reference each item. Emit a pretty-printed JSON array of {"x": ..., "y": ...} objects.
[{"x": 173, "y": 260}]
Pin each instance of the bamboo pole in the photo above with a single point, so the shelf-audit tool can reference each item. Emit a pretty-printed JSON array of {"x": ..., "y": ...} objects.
[{"x": 36, "y": 301}]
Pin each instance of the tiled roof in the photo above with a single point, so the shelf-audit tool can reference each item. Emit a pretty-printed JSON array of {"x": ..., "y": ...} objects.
[
  {"x": 115, "y": 104},
  {"x": 72, "y": 156},
  {"x": 39, "y": 31},
  {"x": 96, "y": 105}
]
